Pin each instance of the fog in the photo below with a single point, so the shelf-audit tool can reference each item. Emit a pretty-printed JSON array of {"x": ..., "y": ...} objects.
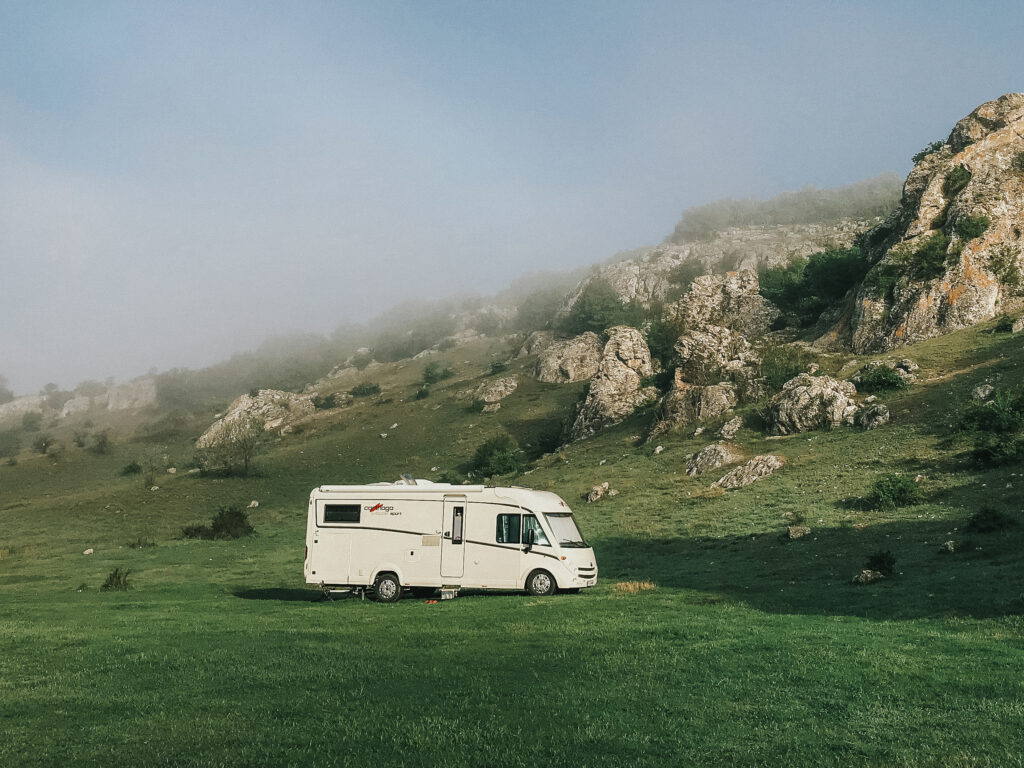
[{"x": 179, "y": 181}]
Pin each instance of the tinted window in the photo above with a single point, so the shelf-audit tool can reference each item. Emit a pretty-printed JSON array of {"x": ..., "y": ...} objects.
[
  {"x": 508, "y": 529},
  {"x": 530, "y": 524},
  {"x": 457, "y": 525},
  {"x": 341, "y": 513}
]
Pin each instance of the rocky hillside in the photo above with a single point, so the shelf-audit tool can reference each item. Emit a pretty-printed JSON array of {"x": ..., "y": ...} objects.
[{"x": 950, "y": 256}]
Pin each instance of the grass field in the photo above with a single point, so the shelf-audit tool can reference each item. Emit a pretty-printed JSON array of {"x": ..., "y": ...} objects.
[{"x": 748, "y": 650}]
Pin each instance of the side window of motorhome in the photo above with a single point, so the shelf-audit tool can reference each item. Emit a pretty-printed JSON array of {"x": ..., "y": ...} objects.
[
  {"x": 457, "y": 520},
  {"x": 341, "y": 513},
  {"x": 508, "y": 529},
  {"x": 530, "y": 524}
]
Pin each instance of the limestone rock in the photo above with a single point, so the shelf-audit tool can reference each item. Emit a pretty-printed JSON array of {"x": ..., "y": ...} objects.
[
  {"x": 752, "y": 471},
  {"x": 730, "y": 428},
  {"x": 491, "y": 393},
  {"x": 16, "y": 409},
  {"x": 871, "y": 416},
  {"x": 687, "y": 404},
  {"x": 794, "y": 532},
  {"x": 576, "y": 359},
  {"x": 89, "y": 551},
  {"x": 811, "y": 402},
  {"x": 905, "y": 297},
  {"x": 597, "y": 492},
  {"x": 732, "y": 300},
  {"x": 1018, "y": 325},
  {"x": 983, "y": 392},
  {"x": 137, "y": 393},
  {"x": 659, "y": 449},
  {"x": 710, "y": 353},
  {"x": 536, "y": 342},
  {"x": 76, "y": 405},
  {"x": 867, "y": 576},
  {"x": 616, "y": 389},
  {"x": 275, "y": 409},
  {"x": 712, "y": 457},
  {"x": 253, "y": 504},
  {"x": 948, "y": 548}
]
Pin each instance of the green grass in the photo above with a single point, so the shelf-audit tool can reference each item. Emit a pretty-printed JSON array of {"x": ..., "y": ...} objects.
[{"x": 752, "y": 650}]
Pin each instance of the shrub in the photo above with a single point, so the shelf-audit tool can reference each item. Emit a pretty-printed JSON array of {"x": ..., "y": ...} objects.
[
  {"x": 140, "y": 543},
  {"x": 681, "y": 277},
  {"x": 1018, "y": 162},
  {"x": 931, "y": 149},
  {"x": 230, "y": 522},
  {"x": 79, "y": 438},
  {"x": 422, "y": 393},
  {"x": 880, "y": 378},
  {"x": 893, "y": 491},
  {"x": 32, "y": 421},
  {"x": 131, "y": 468},
  {"x": 10, "y": 444},
  {"x": 955, "y": 182},
  {"x": 365, "y": 389},
  {"x": 929, "y": 260},
  {"x": 882, "y": 561},
  {"x": 781, "y": 363},
  {"x": 989, "y": 520},
  {"x": 970, "y": 227},
  {"x": 995, "y": 450},
  {"x": 1002, "y": 261},
  {"x": 805, "y": 288},
  {"x": 42, "y": 444},
  {"x": 662, "y": 336},
  {"x": 117, "y": 580},
  {"x": 598, "y": 307},
  {"x": 100, "y": 443},
  {"x": 1003, "y": 414},
  {"x": 498, "y": 456},
  {"x": 1003, "y": 325},
  {"x": 325, "y": 402},
  {"x": 433, "y": 373},
  {"x": 498, "y": 366},
  {"x": 452, "y": 477}
]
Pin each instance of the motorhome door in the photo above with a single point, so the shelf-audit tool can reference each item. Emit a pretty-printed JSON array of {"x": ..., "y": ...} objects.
[{"x": 453, "y": 540}]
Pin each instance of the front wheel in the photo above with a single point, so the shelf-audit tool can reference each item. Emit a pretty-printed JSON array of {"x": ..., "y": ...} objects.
[
  {"x": 387, "y": 588},
  {"x": 540, "y": 583}
]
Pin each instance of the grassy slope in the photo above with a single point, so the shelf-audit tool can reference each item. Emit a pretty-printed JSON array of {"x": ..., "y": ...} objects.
[{"x": 750, "y": 651}]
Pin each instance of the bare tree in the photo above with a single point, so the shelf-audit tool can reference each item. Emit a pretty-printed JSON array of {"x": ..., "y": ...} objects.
[{"x": 238, "y": 441}]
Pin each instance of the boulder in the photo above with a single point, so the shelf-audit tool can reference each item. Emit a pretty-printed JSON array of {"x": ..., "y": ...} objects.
[
  {"x": 536, "y": 342},
  {"x": 983, "y": 392},
  {"x": 712, "y": 353},
  {"x": 752, "y": 471},
  {"x": 687, "y": 404},
  {"x": 712, "y": 457},
  {"x": 491, "y": 393},
  {"x": 597, "y": 492},
  {"x": 871, "y": 416},
  {"x": 617, "y": 388},
  {"x": 794, "y": 532},
  {"x": 732, "y": 300},
  {"x": 576, "y": 359},
  {"x": 1018, "y": 325},
  {"x": 730, "y": 428},
  {"x": 811, "y": 402},
  {"x": 867, "y": 576},
  {"x": 275, "y": 409}
]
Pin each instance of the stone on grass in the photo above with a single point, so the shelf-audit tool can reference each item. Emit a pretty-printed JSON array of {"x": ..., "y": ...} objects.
[
  {"x": 867, "y": 576},
  {"x": 794, "y": 532},
  {"x": 712, "y": 457},
  {"x": 811, "y": 402},
  {"x": 871, "y": 416},
  {"x": 752, "y": 471}
]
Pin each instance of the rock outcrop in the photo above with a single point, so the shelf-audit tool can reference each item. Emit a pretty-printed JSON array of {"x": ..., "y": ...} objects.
[
  {"x": 732, "y": 300},
  {"x": 872, "y": 416},
  {"x": 491, "y": 393},
  {"x": 951, "y": 253},
  {"x": 752, "y": 471},
  {"x": 576, "y": 359},
  {"x": 19, "y": 406},
  {"x": 903, "y": 368},
  {"x": 137, "y": 393},
  {"x": 712, "y": 353},
  {"x": 275, "y": 409},
  {"x": 687, "y": 404},
  {"x": 712, "y": 457},
  {"x": 616, "y": 389},
  {"x": 811, "y": 402},
  {"x": 536, "y": 342}
]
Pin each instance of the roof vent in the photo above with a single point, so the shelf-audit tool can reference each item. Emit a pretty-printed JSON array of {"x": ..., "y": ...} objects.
[{"x": 408, "y": 479}]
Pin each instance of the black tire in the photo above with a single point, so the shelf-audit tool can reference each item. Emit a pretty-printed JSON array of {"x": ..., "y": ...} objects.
[
  {"x": 387, "y": 588},
  {"x": 540, "y": 583}
]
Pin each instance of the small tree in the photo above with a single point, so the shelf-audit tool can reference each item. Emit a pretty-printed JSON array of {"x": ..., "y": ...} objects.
[{"x": 237, "y": 443}]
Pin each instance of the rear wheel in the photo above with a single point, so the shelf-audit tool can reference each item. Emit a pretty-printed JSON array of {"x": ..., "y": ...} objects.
[
  {"x": 540, "y": 583},
  {"x": 387, "y": 588}
]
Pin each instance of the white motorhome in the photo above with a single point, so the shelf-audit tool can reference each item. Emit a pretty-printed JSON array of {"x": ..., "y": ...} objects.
[{"x": 418, "y": 534}]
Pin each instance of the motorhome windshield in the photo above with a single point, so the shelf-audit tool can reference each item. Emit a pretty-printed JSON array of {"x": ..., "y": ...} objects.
[{"x": 565, "y": 530}]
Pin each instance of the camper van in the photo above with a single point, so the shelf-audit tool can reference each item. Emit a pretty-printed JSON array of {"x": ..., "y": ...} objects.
[{"x": 421, "y": 536}]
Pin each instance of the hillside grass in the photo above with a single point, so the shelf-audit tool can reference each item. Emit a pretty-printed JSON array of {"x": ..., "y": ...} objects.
[{"x": 748, "y": 650}]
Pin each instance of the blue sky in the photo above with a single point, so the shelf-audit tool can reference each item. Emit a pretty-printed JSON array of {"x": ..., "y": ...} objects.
[{"x": 180, "y": 180}]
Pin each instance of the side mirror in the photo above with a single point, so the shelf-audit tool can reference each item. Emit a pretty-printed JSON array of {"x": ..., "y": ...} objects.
[{"x": 528, "y": 538}]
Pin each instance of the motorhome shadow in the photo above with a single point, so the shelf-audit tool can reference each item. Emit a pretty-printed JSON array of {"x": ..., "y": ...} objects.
[{"x": 417, "y": 535}]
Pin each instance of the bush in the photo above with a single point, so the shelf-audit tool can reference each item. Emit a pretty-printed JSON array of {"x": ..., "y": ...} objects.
[
  {"x": 498, "y": 456},
  {"x": 452, "y": 477},
  {"x": 433, "y": 373},
  {"x": 893, "y": 491},
  {"x": 956, "y": 180},
  {"x": 422, "y": 393},
  {"x": 99, "y": 444},
  {"x": 681, "y": 277},
  {"x": 989, "y": 520},
  {"x": 32, "y": 421},
  {"x": 325, "y": 402},
  {"x": 805, "y": 288},
  {"x": 597, "y": 308},
  {"x": 929, "y": 259},
  {"x": 10, "y": 444},
  {"x": 117, "y": 580},
  {"x": 230, "y": 522},
  {"x": 882, "y": 561},
  {"x": 131, "y": 468},
  {"x": 662, "y": 336},
  {"x": 781, "y": 363},
  {"x": 79, "y": 438},
  {"x": 365, "y": 389},
  {"x": 1002, "y": 260},
  {"x": 140, "y": 543},
  {"x": 1018, "y": 162},
  {"x": 995, "y": 450},
  {"x": 970, "y": 227},
  {"x": 1003, "y": 325},
  {"x": 498, "y": 366},
  {"x": 1003, "y": 414},
  {"x": 931, "y": 149},
  {"x": 42, "y": 444},
  {"x": 879, "y": 379}
]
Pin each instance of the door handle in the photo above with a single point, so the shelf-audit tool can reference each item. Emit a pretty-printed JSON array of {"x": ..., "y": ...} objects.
[{"x": 447, "y": 534}]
